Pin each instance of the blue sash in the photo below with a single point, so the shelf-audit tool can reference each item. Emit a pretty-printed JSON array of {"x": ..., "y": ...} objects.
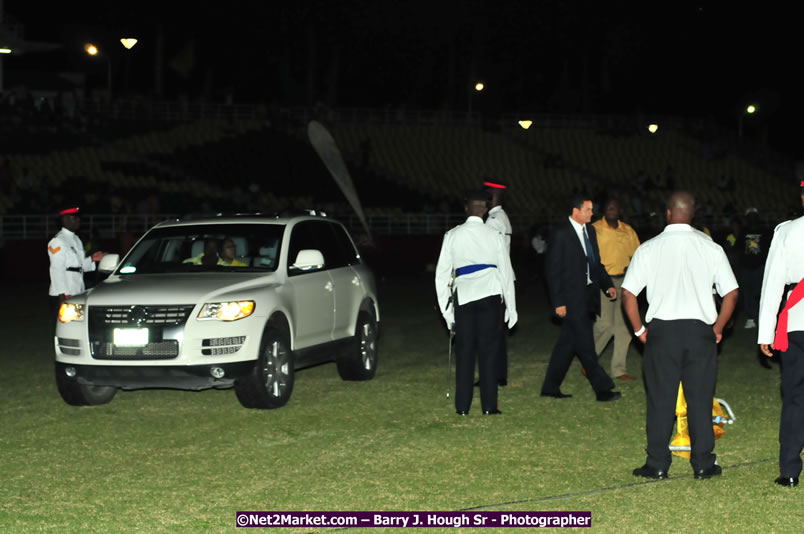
[{"x": 460, "y": 271}]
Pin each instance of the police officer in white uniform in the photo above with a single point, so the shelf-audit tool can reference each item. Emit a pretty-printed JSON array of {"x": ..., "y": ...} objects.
[
  {"x": 477, "y": 256},
  {"x": 498, "y": 220},
  {"x": 679, "y": 267},
  {"x": 67, "y": 260},
  {"x": 784, "y": 273}
]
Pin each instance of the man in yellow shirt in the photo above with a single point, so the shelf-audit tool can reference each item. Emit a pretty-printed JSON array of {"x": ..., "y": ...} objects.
[
  {"x": 228, "y": 251},
  {"x": 618, "y": 241}
]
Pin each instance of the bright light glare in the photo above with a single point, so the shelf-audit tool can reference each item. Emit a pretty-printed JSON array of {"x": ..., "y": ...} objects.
[
  {"x": 653, "y": 128},
  {"x": 479, "y": 86},
  {"x": 128, "y": 42},
  {"x": 91, "y": 49},
  {"x": 71, "y": 312},
  {"x": 525, "y": 124},
  {"x": 5, "y": 50},
  {"x": 227, "y": 311},
  {"x": 751, "y": 109}
]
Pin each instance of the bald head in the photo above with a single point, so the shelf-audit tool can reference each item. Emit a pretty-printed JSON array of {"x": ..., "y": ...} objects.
[{"x": 680, "y": 208}]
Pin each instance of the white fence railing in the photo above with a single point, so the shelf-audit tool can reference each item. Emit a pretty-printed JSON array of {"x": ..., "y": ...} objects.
[{"x": 110, "y": 225}]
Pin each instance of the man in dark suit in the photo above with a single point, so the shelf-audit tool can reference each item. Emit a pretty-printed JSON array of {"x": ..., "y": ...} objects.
[{"x": 574, "y": 278}]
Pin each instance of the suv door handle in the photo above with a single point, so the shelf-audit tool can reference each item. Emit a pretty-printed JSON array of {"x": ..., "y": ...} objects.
[{"x": 328, "y": 286}]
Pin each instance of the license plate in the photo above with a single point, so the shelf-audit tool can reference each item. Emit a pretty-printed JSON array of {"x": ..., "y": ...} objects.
[{"x": 131, "y": 337}]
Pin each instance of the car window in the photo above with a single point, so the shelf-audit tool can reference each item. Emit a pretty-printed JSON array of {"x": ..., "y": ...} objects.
[
  {"x": 194, "y": 248},
  {"x": 308, "y": 235},
  {"x": 347, "y": 254}
]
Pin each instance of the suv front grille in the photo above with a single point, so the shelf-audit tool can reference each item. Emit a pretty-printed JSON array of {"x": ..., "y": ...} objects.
[
  {"x": 159, "y": 320},
  {"x": 139, "y": 315}
]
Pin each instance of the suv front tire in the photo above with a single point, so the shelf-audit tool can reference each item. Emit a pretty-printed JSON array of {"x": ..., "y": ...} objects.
[{"x": 270, "y": 382}]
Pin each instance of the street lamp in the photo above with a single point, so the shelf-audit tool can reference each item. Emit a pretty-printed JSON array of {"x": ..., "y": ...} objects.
[
  {"x": 751, "y": 109},
  {"x": 94, "y": 51},
  {"x": 128, "y": 42},
  {"x": 478, "y": 88}
]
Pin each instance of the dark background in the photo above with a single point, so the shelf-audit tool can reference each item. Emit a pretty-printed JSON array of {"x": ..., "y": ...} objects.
[{"x": 694, "y": 59}]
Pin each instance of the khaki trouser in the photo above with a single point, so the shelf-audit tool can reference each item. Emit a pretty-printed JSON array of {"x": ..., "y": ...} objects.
[{"x": 612, "y": 323}]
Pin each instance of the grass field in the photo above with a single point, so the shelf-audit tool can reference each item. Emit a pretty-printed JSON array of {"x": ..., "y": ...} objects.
[{"x": 173, "y": 461}]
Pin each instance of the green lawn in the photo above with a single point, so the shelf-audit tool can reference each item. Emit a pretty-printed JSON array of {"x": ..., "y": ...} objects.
[{"x": 174, "y": 461}]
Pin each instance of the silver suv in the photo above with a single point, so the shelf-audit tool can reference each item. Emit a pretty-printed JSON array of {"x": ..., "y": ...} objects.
[{"x": 221, "y": 302}]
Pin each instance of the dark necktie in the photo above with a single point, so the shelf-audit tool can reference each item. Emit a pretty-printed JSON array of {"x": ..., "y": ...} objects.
[{"x": 590, "y": 253}]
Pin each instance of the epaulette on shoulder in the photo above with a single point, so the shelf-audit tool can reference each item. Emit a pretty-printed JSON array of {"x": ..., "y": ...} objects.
[{"x": 780, "y": 225}]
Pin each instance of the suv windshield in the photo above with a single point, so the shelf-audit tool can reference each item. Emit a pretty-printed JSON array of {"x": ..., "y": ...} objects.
[{"x": 212, "y": 247}]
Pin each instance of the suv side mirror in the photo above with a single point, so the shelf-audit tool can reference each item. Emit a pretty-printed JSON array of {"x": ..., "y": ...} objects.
[
  {"x": 109, "y": 263},
  {"x": 308, "y": 260}
]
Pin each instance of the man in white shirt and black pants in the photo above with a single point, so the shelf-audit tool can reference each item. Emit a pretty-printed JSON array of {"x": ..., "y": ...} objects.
[
  {"x": 679, "y": 267},
  {"x": 498, "y": 220},
  {"x": 785, "y": 268},
  {"x": 67, "y": 260},
  {"x": 483, "y": 279}
]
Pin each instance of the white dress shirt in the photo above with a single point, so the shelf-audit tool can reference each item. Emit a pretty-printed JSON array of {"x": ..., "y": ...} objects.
[
  {"x": 578, "y": 227},
  {"x": 66, "y": 250},
  {"x": 785, "y": 265},
  {"x": 679, "y": 268},
  {"x": 474, "y": 243},
  {"x": 498, "y": 220}
]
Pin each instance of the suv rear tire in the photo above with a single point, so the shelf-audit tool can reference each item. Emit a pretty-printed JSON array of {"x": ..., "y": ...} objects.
[
  {"x": 361, "y": 362},
  {"x": 270, "y": 382}
]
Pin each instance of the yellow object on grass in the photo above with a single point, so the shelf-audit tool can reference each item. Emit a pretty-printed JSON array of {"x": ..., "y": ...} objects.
[{"x": 682, "y": 438}]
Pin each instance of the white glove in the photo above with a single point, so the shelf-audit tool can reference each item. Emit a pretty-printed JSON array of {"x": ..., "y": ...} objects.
[
  {"x": 449, "y": 317},
  {"x": 511, "y": 318}
]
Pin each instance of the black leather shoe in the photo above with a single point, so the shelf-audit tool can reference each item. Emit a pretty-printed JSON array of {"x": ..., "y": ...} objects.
[
  {"x": 606, "y": 396},
  {"x": 713, "y": 471},
  {"x": 647, "y": 472},
  {"x": 558, "y": 395},
  {"x": 495, "y": 411},
  {"x": 461, "y": 412},
  {"x": 788, "y": 482}
]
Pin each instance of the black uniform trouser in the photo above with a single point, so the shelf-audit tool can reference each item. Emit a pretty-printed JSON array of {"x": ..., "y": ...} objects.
[
  {"x": 502, "y": 351},
  {"x": 576, "y": 337},
  {"x": 680, "y": 351},
  {"x": 477, "y": 333},
  {"x": 54, "y": 303},
  {"x": 791, "y": 427}
]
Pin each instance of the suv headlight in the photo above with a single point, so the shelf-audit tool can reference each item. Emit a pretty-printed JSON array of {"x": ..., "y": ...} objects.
[
  {"x": 226, "y": 311},
  {"x": 69, "y": 312}
]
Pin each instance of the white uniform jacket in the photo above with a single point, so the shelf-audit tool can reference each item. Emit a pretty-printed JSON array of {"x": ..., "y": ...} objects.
[
  {"x": 67, "y": 263},
  {"x": 473, "y": 244},
  {"x": 785, "y": 265}
]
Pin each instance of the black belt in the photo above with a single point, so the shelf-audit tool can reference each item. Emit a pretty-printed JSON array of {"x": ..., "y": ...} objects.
[
  {"x": 75, "y": 269},
  {"x": 616, "y": 276}
]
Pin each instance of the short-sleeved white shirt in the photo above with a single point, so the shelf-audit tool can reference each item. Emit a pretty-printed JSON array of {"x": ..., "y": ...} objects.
[
  {"x": 785, "y": 265},
  {"x": 679, "y": 267}
]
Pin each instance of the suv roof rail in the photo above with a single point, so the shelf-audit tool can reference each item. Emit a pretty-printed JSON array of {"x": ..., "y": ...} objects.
[
  {"x": 193, "y": 216},
  {"x": 297, "y": 211},
  {"x": 274, "y": 215}
]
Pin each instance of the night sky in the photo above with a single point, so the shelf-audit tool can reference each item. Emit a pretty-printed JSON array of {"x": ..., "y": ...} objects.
[{"x": 695, "y": 59}]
